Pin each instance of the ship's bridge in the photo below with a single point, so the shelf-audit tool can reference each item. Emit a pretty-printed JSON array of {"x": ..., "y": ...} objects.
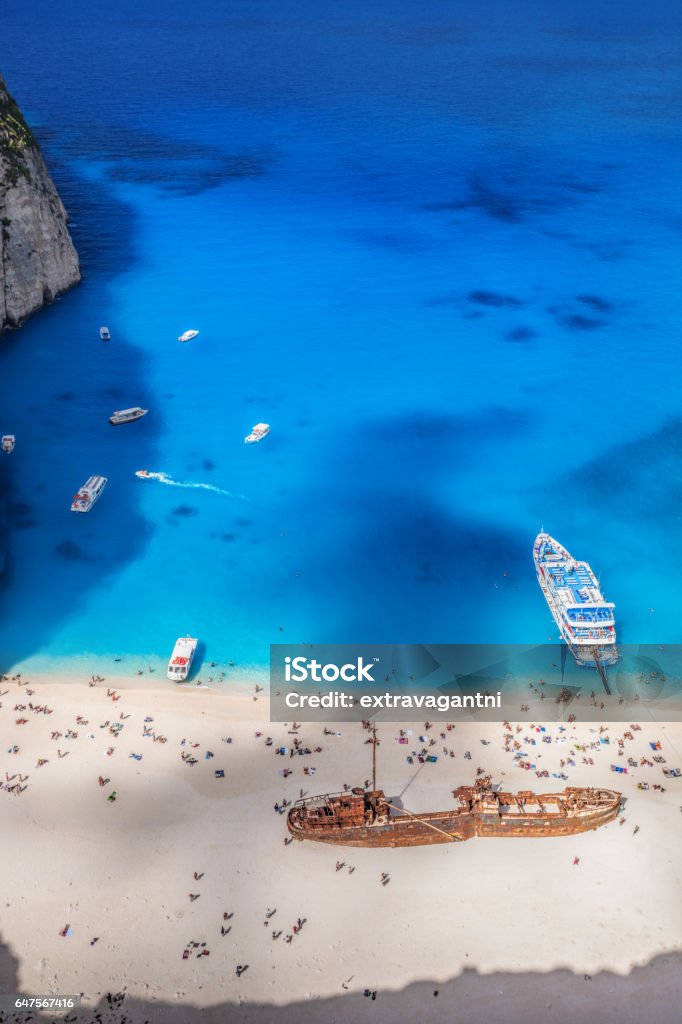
[{"x": 601, "y": 615}]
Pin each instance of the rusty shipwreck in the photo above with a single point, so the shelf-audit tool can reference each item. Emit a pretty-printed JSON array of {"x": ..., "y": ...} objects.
[{"x": 366, "y": 817}]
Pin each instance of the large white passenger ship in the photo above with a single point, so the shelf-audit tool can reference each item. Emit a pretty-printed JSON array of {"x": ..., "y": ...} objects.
[{"x": 585, "y": 620}]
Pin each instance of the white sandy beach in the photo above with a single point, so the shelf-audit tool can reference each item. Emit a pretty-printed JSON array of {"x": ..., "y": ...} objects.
[{"x": 500, "y": 929}]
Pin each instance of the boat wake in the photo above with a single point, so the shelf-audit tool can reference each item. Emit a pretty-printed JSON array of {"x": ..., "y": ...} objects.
[{"x": 166, "y": 478}]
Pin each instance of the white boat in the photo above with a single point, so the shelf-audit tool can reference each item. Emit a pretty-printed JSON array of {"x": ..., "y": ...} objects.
[
  {"x": 88, "y": 494},
  {"x": 181, "y": 659},
  {"x": 105, "y": 334},
  {"x": 128, "y": 415},
  {"x": 8, "y": 443},
  {"x": 585, "y": 620},
  {"x": 260, "y": 431},
  {"x": 188, "y": 335}
]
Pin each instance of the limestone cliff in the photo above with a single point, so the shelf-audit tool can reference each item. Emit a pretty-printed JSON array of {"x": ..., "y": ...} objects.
[{"x": 37, "y": 256}]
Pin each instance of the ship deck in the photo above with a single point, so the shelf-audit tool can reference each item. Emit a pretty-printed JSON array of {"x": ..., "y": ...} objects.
[
  {"x": 577, "y": 583},
  {"x": 574, "y": 587}
]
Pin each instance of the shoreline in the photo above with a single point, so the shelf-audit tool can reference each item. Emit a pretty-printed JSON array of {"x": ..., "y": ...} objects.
[
  {"x": 155, "y": 684},
  {"x": 133, "y": 668},
  {"x": 527, "y": 700}
]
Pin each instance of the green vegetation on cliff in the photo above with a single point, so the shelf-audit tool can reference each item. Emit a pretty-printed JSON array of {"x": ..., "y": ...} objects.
[{"x": 15, "y": 135}]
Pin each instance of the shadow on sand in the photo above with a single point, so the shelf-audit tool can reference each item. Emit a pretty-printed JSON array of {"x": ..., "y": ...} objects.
[{"x": 651, "y": 992}]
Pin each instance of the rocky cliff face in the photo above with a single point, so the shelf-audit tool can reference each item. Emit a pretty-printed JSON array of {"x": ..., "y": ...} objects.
[{"x": 37, "y": 256}]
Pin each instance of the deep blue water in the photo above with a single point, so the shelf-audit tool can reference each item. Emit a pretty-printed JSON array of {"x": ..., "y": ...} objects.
[{"x": 436, "y": 247}]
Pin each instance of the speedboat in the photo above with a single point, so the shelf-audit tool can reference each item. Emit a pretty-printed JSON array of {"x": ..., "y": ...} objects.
[
  {"x": 181, "y": 659},
  {"x": 8, "y": 442},
  {"x": 88, "y": 494},
  {"x": 128, "y": 415},
  {"x": 260, "y": 431},
  {"x": 143, "y": 474},
  {"x": 105, "y": 334},
  {"x": 188, "y": 335}
]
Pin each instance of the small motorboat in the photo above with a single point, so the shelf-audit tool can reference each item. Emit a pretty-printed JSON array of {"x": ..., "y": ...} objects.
[
  {"x": 8, "y": 443},
  {"x": 105, "y": 334},
  {"x": 127, "y": 415},
  {"x": 181, "y": 659},
  {"x": 143, "y": 474},
  {"x": 188, "y": 335},
  {"x": 260, "y": 431}
]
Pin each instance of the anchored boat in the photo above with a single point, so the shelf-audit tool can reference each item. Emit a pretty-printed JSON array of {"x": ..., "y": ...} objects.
[
  {"x": 585, "y": 620},
  {"x": 128, "y": 415},
  {"x": 260, "y": 431},
  {"x": 188, "y": 335},
  {"x": 181, "y": 659},
  {"x": 362, "y": 817},
  {"x": 88, "y": 494},
  {"x": 8, "y": 443},
  {"x": 105, "y": 334}
]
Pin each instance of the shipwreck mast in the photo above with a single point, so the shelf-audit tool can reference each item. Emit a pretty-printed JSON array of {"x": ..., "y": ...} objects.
[{"x": 374, "y": 741}]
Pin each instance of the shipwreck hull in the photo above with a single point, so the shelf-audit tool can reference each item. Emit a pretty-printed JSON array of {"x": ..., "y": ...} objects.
[
  {"x": 399, "y": 832},
  {"x": 425, "y": 830},
  {"x": 456, "y": 826}
]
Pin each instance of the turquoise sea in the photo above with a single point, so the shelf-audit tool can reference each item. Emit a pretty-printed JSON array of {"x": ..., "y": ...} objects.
[{"x": 435, "y": 246}]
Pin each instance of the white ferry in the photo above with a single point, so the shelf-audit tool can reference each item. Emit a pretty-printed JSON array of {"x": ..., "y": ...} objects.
[
  {"x": 188, "y": 335},
  {"x": 8, "y": 443},
  {"x": 128, "y": 415},
  {"x": 585, "y": 620},
  {"x": 88, "y": 494},
  {"x": 181, "y": 658},
  {"x": 260, "y": 431},
  {"x": 105, "y": 334}
]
